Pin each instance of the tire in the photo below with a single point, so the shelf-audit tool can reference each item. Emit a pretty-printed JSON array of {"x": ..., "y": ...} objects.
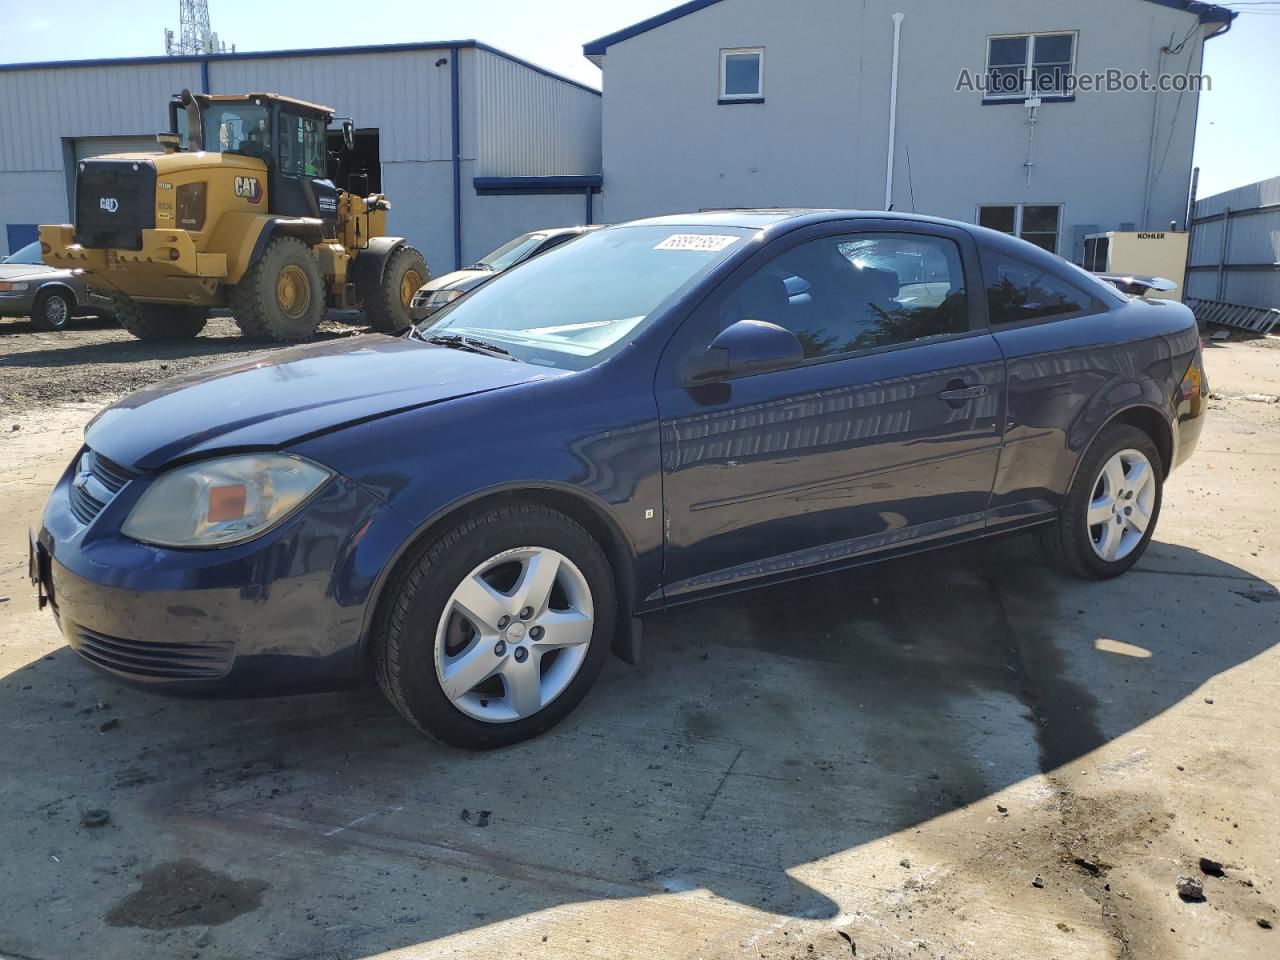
[
  {"x": 52, "y": 310},
  {"x": 159, "y": 321},
  {"x": 281, "y": 298},
  {"x": 1076, "y": 547},
  {"x": 386, "y": 306},
  {"x": 418, "y": 618}
]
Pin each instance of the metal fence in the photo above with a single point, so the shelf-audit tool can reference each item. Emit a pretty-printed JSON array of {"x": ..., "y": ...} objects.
[{"x": 1233, "y": 270}]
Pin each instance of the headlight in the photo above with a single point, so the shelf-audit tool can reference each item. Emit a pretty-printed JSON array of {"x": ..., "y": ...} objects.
[
  {"x": 8, "y": 287},
  {"x": 441, "y": 297},
  {"x": 218, "y": 502}
]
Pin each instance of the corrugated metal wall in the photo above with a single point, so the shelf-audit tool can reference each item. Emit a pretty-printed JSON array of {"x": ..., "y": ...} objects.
[
  {"x": 404, "y": 95},
  {"x": 38, "y": 108},
  {"x": 1250, "y": 262},
  {"x": 532, "y": 125}
]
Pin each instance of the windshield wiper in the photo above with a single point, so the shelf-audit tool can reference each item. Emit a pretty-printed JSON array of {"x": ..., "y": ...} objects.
[
  {"x": 474, "y": 345},
  {"x": 481, "y": 265}
]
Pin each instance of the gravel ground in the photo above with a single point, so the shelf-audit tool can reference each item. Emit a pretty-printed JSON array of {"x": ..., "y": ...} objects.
[{"x": 96, "y": 360}]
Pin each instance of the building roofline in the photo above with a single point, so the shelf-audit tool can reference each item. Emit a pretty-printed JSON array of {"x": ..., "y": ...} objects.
[
  {"x": 197, "y": 59},
  {"x": 595, "y": 50}
]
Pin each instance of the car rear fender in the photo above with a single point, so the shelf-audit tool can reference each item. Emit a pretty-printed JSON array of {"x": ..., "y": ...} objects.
[{"x": 1148, "y": 416}]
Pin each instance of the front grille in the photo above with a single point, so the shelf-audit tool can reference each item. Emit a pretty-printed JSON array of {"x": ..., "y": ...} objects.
[
  {"x": 163, "y": 661},
  {"x": 96, "y": 483},
  {"x": 115, "y": 202}
]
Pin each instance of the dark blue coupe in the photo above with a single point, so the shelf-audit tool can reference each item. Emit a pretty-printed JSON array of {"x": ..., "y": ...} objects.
[{"x": 479, "y": 509}]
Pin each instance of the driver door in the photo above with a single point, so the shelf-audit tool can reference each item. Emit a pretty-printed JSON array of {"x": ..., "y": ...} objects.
[{"x": 887, "y": 433}]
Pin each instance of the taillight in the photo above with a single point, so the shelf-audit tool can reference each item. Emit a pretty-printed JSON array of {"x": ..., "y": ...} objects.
[{"x": 1192, "y": 382}]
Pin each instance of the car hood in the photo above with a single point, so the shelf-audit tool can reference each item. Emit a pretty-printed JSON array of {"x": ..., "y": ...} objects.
[
  {"x": 26, "y": 271},
  {"x": 270, "y": 401},
  {"x": 460, "y": 280}
]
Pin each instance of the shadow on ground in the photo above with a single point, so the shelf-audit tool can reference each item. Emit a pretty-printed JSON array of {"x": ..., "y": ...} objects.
[{"x": 762, "y": 733}]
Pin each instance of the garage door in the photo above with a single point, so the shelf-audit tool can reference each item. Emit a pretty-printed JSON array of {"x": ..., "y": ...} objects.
[{"x": 97, "y": 146}]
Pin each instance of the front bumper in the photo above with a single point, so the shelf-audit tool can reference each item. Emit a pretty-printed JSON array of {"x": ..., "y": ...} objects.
[
  {"x": 18, "y": 304},
  {"x": 285, "y": 613}
]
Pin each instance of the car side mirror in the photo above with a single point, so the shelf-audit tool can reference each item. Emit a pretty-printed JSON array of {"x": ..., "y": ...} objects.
[
  {"x": 748, "y": 347},
  {"x": 349, "y": 134}
]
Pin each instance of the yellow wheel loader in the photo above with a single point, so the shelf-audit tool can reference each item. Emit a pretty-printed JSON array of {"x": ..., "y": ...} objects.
[{"x": 237, "y": 212}]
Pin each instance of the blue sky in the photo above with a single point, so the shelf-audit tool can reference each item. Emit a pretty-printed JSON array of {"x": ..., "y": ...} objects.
[{"x": 1239, "y": 132}]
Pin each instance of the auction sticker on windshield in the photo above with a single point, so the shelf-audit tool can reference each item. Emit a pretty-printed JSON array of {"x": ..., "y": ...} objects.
[{"x": 702, "y": 242}]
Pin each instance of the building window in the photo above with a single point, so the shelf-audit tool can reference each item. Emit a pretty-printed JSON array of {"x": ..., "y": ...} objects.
[
  {"x": 1029, "y": 65},
  {"x": 742, "y": 75},
  {"x": 1038, "y": 223}
]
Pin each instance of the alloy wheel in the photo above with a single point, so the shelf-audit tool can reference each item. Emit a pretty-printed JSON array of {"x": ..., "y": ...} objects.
[
  {"x": 513, "y": 634},
  {"x": 56, "y": 311},
  {"x": 1124, "y": 497}
]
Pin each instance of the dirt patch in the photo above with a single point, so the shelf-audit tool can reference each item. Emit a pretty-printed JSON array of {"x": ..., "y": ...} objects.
[
  {"x": 184, "y": 893},
  {"x": 95, "y": 360}
]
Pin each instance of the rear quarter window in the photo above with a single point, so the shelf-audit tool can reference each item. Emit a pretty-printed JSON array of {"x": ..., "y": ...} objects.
[{"x": 1020, "y": 291}]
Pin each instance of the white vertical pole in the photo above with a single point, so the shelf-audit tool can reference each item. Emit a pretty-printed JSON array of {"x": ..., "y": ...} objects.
[{"x": 893, "y": 110}]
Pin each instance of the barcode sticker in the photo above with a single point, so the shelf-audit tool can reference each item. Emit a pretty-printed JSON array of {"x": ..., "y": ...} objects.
[{"x": 702, "y": 242}]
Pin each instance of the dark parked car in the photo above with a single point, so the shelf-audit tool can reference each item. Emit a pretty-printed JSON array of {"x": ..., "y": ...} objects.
[
  {"x": 478, "y": 511},
  {"x": 444, "y": 290},
  {"x": 48, "y": 295}
]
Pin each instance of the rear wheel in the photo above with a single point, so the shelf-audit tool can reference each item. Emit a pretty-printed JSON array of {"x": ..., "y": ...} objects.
[
  {"x": 386, "y": 306},
  {"x": 495, "y": 630},
  {"x": 52, "y": 310},
  {"x": 1110, "y": 513},
  {"x": 281, "y": 297},
  {"x": 159, "y": 321}
]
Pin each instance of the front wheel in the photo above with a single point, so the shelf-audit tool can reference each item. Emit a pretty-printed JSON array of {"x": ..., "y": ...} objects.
[
  {"x": 494, "y": 631},
  {"x": 52, "y": 310},
  {"x": 1112, "y": 507},
  {"x": 386, "y": 306}
]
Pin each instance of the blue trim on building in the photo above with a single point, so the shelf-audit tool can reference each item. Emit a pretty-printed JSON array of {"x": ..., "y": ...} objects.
[
  {"x": 456, "y": 133},
  {"x": 538, "y": 185},
  {"x": 597, "y": 48},
  {"x": 204, "y": 76},
  {"x": 305, "y": 52},
  {"x": 1207, "y": 12}
]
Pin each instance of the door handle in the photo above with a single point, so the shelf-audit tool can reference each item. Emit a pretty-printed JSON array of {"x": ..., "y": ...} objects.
[{"x": 959, "y": 392}]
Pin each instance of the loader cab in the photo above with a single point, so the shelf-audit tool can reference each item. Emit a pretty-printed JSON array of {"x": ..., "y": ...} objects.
[{"x": 287, "y": 135}]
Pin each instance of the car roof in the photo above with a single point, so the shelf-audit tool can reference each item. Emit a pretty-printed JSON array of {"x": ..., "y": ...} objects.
[{"x": 757, "y": 217}]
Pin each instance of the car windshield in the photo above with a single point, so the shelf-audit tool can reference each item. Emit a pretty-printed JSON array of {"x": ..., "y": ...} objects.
[
  {"x": 578, "y": 304},
  {"x": 29, "y": 254},
  {"x": 511, "y": 252}
]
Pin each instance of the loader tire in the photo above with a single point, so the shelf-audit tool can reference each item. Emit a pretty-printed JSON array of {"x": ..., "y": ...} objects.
[
  {"x": 386, "y": 305},
  {"x": 159, "y": 321},
  {"x": 281, "y": 298}
]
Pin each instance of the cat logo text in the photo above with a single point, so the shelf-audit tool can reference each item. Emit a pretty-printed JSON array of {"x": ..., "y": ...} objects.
[{"x": 250, "y": 188}]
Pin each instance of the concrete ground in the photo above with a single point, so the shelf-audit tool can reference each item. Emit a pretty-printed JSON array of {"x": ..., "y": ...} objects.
[{"x": 962, "y": 755}]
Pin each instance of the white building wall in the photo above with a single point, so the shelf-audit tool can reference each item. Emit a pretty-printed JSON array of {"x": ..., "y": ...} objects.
[{"x": 820, "y": 137}]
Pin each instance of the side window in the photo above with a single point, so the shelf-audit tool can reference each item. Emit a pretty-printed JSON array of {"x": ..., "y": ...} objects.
[
  {"x": 1018, "y": 291},
  {"x": 301, "y": 146},
  {"x": 857, "y": 292}
]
